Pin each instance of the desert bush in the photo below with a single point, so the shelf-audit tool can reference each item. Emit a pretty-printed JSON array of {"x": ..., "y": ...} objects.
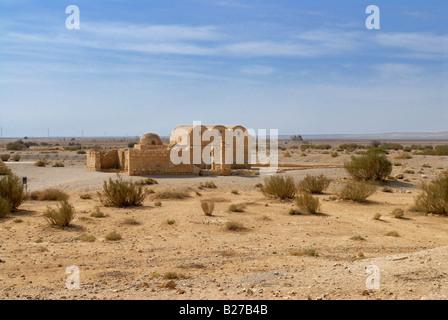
[
  {"x": 403, "y": 156},
  {"x": 62, "y": 216},
  {"x": 238, "y": 207},
  {"x": 158, "y": 203},
  {"x": 16, "y": 157},
  {"x": 304, "y": 252},
  {"x": 434, "y": 196},
  {"x": 5, "y": 157},
  {"x": 131, "y": 222},
  {"x": 236, "y": 192},
  {"x": 170, "y": 222},
  {"x": 80, "y": 152},
  {"x": 58, "y": 165},
  {"x": 372, "y": 166},
  {"x": 13, "y": 190},
  {"x": 41, "y": 163},
  {"x": 208, "y": 207},
  {"x": 5, "y": 207},
  {"x": 16, "y": 146},
  {"x": 377, "y": 216},
  {"x": 234, "y": 226},
  {"x": 287, "y": 154},
  {"x": 48, "y": 195},
  {"x": 334, "y": 154},
  {"x": 357, "y": 191},
  {"x": 85, "y": 196},
  {"x": 208, "y": 185},
  {"x": 398, "y": 213},
  {"x": 307, "y": 203},
  {"x": 118, "y": 193},
  {"x": 173, "y": 195},
  {"x": 98, "y": 213},
  {"x": 4, "y": 170},
  {"x": 279, "y": 187},
  {"x": 113, "y": 236},
  {"x": 313, "y": 184},
  {"x": 392, "y": 146},
  {"x": 358, "y": 238},
  {"x": 147, "y": 182},
  {"x": 392, "y": 234},
  {"x": 86, "y": 238}
]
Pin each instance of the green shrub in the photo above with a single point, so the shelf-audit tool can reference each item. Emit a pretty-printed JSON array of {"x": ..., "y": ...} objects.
[
  {"x": 304, "y": 252},
  {"x": 207, "y": 207},
  {"x": 86, "y": 238},
  {"x": 5, "y": 208},
  {"x": 80, "y": 152},
  {"x": 16, "y": 146},
  {"x": 234, "y": 226},
  {"x": 98, "y": 213},
  {"x": 307, "y": 203},
  {"x": 16, "y": 157},
  {"x": 398, "y": 213},
  {"x": 372, "y": 166},
  {"x": 314, "y": 184},
  {"x": 174, "y": 195},
  {"x": 118, "y": 193},
  {"x": 48, "y": 195},
  {"x": 279, "y": 187},
  {"x": 5, "y": 157},
  {"x": 62, "y": 216},
  {"x": 434, "y": 196},
  {"x": 357, "y": 191},
  {"x": 113, "y": 236},
  {"x": 12, "y": 189}
]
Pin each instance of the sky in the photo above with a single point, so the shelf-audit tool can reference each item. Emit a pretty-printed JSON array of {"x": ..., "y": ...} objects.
[{"x": 302, "y": 67}]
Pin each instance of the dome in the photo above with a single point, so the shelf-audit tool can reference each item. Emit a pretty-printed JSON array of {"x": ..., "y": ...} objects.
[{"x": 151, "y": 139}]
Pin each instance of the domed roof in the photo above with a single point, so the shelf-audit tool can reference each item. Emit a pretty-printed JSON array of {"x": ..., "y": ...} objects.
[{"x": 151, "y": 139}]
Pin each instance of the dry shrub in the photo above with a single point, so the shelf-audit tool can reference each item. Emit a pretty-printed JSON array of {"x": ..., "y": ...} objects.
[
  {"x": 4, "y": 170},
  {"x": 147, "y": 182},
  {"x": 434, "y": 196},
  {"x": 208, "y": 185},
  {"x": 41, "y": 163},
  {"x": 279, "y": 187},
  {"x": 13, "y": 190},
  {"x": 121, "y": 194},
  {"x": 86, "y": 238},
  {"x": 234, "y": 226},
  {"x": 314, "y": 184},
  {"x": 62, "y": 216},
  {"x": 373, "y": 166},
  {"x": 307, "y": 203},
  {"x": 16, "y": 157},
  {"x": 357, "y": 191},
  {"x": 237, "y": 207},
  {"x": 398, "y": 213},
  {"x": 131, "y": 222},
  {"x": 5, "y": 208},
  {"x": 5, "y": 157},
  {"x": 113, "y": 236},
  {"x": 48, "y": 195},
  {"x": 85, "y": 196},
  {"x": 173, "y": 195},
  {"x": 208, "y": 207}
]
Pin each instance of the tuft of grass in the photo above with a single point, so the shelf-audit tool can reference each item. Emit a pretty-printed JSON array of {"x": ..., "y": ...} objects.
[
  {"x": 121, "y": 194},
  {"x": 304, "y": 252},
  {"x": 357, "y": 238},
  {"x": 398, "y": 213},
  {"x": 131, "y": 222},
  {"x": 158, "y": 203},
  {"x": 403, "y": 156},
  {"x": 433, "y": 197},
  {"x": 147, "y": 182},
  {"x": 12, "y": 190},
  {"x": 387, "y": 190},
  {"x": 234, "y": 226},
  {"x": 173, "y": 195},
  {"x": 235, "y": 192},
  {"x": 85, "y": 196},
  {"x": 18, "y": 220},
  {"x": 294, "y": 212},
  {"x": 5, "y": 157},
  {"x": 62, "y": 216},
  {"x": 238, "y": 207},
  {"x": 97, "y": 213},
  {"x": 357, "y": 191},
  {"x": 208, "y": 185},
  {"x": 279, "y": 187},
  {"x": 86, "y": 238},
  {"x": 170, "y": 222},
  {"x": 377, "y": 216},
  {"x": 113, "y": 236},
  {"x": 392, "y": 234},
  {"x": 58, "y": 165},
  {"x": 314, "y": 184},
  {"x": 48, "y": 195},
  {"x": 208, "y": 207},
  {"x": 307, "y": 203},
  {"x": 172, "y": 276}
]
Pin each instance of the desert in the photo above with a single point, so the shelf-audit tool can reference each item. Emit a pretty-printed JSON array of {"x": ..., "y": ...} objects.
[{"x": 169, "y": 249}]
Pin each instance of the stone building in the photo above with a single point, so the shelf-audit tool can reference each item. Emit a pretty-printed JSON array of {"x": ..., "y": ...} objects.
[{"x": 191, "y": 150}]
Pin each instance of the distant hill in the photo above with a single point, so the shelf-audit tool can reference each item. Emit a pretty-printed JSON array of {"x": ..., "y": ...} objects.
[{"x": 377, "y": 136}]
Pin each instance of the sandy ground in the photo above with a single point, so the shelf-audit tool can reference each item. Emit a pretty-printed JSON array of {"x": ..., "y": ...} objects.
[{"x": 212, "y": 262}]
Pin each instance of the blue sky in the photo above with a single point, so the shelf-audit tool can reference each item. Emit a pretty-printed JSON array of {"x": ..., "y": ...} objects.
[{"x": 303, "y": 67}]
